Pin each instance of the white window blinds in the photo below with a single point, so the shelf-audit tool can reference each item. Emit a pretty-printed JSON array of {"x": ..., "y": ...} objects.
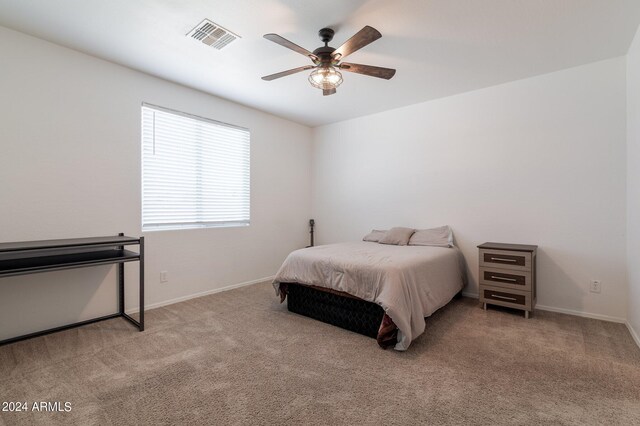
[{"x": 195, "y": 171}]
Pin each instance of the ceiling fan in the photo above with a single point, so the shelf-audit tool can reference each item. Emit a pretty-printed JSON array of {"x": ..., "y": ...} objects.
[{"x": 326, "y": 59}]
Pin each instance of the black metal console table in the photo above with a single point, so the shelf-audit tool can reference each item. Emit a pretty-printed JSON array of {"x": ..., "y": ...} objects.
[{"x": 30, "y": 257}]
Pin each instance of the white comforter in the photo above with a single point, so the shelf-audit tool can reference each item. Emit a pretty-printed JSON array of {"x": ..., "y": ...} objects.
[{"x": 409, "y": 282}]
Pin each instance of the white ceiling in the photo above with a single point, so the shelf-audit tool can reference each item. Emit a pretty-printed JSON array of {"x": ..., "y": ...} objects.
[{"x": 439, "y": 47}]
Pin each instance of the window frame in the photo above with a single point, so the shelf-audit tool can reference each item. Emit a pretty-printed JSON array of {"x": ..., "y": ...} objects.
[{"x": 189, "y": 224}]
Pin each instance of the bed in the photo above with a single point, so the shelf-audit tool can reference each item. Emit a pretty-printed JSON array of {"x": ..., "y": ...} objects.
[{"x": 383, "y": 291}]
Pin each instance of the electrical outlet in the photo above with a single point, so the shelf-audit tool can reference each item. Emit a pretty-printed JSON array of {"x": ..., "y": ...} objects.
[
  {"x": 596, "y": 286},
  {"x": 163, "y": 276}
]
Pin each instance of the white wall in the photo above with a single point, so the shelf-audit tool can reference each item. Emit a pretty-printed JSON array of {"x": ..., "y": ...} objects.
[
  {"x": 537, "y": 161},
  {"x": 633, "y": 184},
  {"x": 70, "y": 167}
]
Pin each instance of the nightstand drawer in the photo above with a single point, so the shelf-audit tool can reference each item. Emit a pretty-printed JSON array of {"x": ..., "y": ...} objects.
[
  {"x": 505, "y": 297},
  {"x": 506, "y": 278},
  {"x": 503, "y": 259}
]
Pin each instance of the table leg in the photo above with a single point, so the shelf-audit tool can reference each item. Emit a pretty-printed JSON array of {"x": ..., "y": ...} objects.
[
  {"x": 141, "y": 283},
  {"x": 121, "y": 283},
  {"x": 121, "y": 287}
]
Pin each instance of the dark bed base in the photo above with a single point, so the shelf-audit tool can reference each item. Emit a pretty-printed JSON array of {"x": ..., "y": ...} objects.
[{"x": 346, "y": 312}]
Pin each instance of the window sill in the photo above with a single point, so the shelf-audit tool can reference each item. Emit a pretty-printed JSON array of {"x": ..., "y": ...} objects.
[{"x": 194, "y": 226}]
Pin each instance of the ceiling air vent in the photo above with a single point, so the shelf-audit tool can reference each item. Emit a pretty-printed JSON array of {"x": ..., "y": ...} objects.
[{"x": 212, "y": 34}]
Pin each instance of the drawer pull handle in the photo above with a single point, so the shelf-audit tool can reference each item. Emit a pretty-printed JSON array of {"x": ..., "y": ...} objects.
[
  {"x": 503, "y": 278},
  {"x": 513, "y": 299},
  {"x": 502, "y": 259}
]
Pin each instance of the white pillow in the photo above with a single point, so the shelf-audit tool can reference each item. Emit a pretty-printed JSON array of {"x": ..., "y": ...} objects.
[
  {"x": 398, "y": 236},
  {"x": 440, "y": 237},
  {"x": 374, "y": 236}
]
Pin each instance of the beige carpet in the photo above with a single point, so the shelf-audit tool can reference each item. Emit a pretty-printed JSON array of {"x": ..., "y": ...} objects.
[{"x": 239, "y": 357}]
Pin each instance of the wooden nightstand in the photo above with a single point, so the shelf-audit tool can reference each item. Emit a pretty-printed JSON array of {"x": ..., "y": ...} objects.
[{"x": 508, "y": 275}]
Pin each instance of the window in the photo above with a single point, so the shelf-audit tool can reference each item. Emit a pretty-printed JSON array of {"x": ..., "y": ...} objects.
[{"x": 195, "y": 171}]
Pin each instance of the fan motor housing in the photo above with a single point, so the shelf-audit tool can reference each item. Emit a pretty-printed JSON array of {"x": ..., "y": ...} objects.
[{"x": 324, "y": 53}]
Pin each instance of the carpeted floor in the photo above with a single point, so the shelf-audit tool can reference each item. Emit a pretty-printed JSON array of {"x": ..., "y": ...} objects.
[{"x": 239, "y": 357}]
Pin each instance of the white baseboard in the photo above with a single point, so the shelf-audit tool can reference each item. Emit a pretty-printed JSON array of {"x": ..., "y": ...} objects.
[
  {"x": 568, "y": 312},
  {"x": 633, "y": 333},
  {"x": 582, "y": 314},
  {"x": 204, "y": 293}
]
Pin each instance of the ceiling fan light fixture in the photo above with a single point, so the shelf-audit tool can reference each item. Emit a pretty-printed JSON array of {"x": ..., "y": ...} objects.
[
  {"x": 327, "y": 61},
  {"x": 325, "y": 78}
]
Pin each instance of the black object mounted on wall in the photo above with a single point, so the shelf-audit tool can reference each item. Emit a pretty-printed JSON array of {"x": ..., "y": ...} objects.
[{"x": 312, "y": 223}]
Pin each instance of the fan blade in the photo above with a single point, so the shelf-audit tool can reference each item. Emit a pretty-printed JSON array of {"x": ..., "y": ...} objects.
[
  {"x": 327, "y": 92},
  {"x": 358, "y": 41},
  {"x": 290, "y": 45},
  {"x": 286, "y": 73},
  {"x": 370, "y": 70}
]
